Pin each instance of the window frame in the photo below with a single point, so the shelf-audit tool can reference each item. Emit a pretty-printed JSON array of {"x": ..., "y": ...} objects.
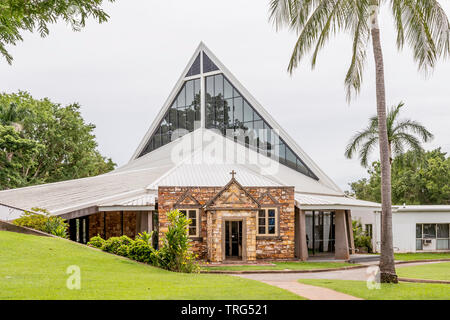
[
  {"x": 197, "y": 218},
  {"x": 175, "y": 112},
  {"x": 436, "y": 237},
  {"x": 254, "y": 122},
  {"x": 266, "y": 217},
  {"x": 369, "y": 229}
]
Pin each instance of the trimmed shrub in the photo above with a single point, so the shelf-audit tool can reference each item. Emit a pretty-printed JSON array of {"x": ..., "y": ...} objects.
[
  {"x": 40, "y": 219},
  {"x": 96, "y": 242},
  {"x": 122, "y": 250},
  {"x": 174, "y": 254},
  {"x": 141, "y": 251},
  {"x": 113, "y": 244}
]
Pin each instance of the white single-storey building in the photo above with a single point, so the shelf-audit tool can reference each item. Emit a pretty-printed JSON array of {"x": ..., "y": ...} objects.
[{"x": 416, "y": 228}]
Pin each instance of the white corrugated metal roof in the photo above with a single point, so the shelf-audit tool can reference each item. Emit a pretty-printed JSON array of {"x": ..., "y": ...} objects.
[
  {"x": 213, "y": 175},
  {"x": 146, "y": 199},
  {"x": 422, "y": 208},
  {"x": 208, "y": 157},
  {"x": 198, "y": 166},
  {"x": 72, "y": 195},
  {"x": 332, "y": 202},
  {"x": 9, "y": 213}
]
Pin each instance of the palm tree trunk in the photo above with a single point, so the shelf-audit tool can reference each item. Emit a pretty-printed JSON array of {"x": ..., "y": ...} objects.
[{"x": 387, "y": 266}]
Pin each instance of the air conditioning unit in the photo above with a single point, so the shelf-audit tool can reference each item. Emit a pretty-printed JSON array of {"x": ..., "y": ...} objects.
[{"x": 426, "y": 242}]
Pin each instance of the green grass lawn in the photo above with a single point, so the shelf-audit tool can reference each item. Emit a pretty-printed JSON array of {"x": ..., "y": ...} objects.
[
  {"x": 33, "y": 267},
  {"x": 421, "y": 256},
  {"x": 283, "y": 266},
  {"x": 400, "y": 291},
  {"x": 433, "y": 271}
]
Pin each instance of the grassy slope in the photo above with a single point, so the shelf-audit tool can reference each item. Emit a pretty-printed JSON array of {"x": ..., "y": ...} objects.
[
  {"x": 34, "y": 267},
  {"x": 434, "y": 271},
  {"x": 285, "y": 265},
  {"x": 421, "y": 256},
  {"x": 401, "y": 291}
]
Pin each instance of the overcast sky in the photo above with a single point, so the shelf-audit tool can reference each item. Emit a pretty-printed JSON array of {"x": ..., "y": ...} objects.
[{"x": 122, "y": 71}]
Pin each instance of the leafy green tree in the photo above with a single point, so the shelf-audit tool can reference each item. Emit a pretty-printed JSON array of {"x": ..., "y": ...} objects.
[
  {"x": 417, "y": 178},
  {"x": 400, "y": 135},
  {"x": 11, "y": 115},
  {"x": 422, "y": 24},
  {"x": 16, "y": 153},
  {"x": 17, "y": 16},
  {"x": 54, "y": 144}
]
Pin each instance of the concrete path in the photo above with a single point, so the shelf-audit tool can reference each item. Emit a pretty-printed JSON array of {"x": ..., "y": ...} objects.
[
  {"x": 289, "y": 281},
  {"x": 311, "y": 292}
]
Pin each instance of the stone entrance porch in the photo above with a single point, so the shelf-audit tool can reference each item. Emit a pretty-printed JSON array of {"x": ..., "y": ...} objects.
[
  {"x": 218, "y": 234},
  {"x": 265, "y": 216}
]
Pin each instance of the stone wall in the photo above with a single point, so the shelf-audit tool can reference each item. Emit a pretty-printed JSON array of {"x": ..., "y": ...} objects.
[
  {"x": 281, "y": 246},
  {"x": 113, "y": 224},
  {"x": 168, "y": 196}
]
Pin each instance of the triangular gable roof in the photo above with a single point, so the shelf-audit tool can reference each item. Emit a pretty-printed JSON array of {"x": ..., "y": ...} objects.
[
  {"x": 246, "y": 94},
  {"x": 267, "y": 199},
  {"x": 169, "y": 100},
  {"x": 187, "y": 201},
  {"x": 232, "y": 198}
]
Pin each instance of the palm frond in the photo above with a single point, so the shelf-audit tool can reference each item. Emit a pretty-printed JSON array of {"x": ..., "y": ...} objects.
[
  {"x": 357, "y": 140},
  {"x": 313, "y": 20},
  {"x": 439, "y": 25},
  {"x": 354, "y": 76},
  {"x": 408, "y": 139},
  {"x": 309, "y": 33},
  {"x": 398, "y": 147},
  {"x": 426, "y": 29},
  {"x": 392, "y": 116},
  {"x": 280, "y": 13},
  {"x": 335, "y": 21},
  {"x": 397, "y": 12},
  {"x": 291, "y": 13},
  {"x": 416, "y": 127},
  {"x": 373, "y": 122},
  {"x": 367, "y": 149}
]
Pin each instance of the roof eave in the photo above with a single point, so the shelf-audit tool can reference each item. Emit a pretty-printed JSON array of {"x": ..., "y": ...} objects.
[{"x": 125, "y": 208}]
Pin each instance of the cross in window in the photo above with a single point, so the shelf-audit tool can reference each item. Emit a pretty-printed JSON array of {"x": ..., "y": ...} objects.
[{"x": 232, "y": 173}]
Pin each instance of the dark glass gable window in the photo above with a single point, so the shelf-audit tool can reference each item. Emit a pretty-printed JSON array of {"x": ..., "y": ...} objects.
[
  {"x": 226, "y": 109},
  {"x": 208, "y": 65},
  {"x": 195, "y": 68},
  {"x": 181, "y": 115}
]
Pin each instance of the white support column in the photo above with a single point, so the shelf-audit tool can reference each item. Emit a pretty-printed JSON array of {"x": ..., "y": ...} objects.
[
  {"x": 150, "y": 221},
  {"x": 202, "y": 94}
]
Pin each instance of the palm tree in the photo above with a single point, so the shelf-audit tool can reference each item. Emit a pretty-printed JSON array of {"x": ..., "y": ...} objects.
[
  {"x": 399, "y": 136},
  {"x": 422, "y": 24}
]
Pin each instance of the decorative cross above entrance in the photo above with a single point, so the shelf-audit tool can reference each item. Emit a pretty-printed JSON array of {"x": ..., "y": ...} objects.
[{"x": 232, "y": 173}]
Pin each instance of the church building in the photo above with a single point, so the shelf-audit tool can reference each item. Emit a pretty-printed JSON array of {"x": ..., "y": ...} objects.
[{"x": 217, "y": 155}]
